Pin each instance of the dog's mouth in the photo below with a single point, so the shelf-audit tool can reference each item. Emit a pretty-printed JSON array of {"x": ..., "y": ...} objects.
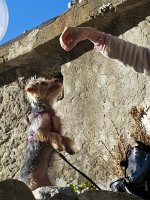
[
  {"x": 61, "y": 95},
  {"x": 57, "y": 90},
  {"x": 59, "y": 83}
]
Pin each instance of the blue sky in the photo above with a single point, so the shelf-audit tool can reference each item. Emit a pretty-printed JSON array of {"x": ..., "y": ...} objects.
[{"x": 26, "y": 14}]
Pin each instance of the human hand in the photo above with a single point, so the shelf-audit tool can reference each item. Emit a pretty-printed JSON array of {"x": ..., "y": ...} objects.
[{"x": 71, "y": 36}]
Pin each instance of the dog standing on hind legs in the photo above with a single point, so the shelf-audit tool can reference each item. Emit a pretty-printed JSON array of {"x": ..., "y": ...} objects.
[{"x": 44, "y": 134}]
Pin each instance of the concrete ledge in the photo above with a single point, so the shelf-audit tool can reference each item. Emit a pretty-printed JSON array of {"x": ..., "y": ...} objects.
[
  {"x": 14, "y": 189},
  {"x": 56, "y": 193},
  {"x": 40, "y": 46},
  {"x": 105, "y": 195}
]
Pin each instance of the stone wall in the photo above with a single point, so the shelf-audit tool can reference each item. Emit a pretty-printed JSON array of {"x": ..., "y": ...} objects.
[{"x": 98, "y": 92}]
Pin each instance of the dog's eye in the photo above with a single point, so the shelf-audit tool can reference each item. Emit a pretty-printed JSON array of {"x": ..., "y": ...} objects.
[{"x": 44, "y": 83}]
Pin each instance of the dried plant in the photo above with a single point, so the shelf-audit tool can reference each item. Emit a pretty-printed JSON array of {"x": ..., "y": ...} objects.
[
  {"x": 139, "y": 133},
  {"x": 120, "y": 154}
]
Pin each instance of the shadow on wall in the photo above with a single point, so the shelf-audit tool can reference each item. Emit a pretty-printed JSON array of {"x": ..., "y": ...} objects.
[{"x": 47, "y": 63}]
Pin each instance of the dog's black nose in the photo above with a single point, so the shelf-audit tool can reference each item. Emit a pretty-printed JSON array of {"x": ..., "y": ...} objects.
[
  {"x": 59, "y": 77},
  {"x": 57, "y": 80}
]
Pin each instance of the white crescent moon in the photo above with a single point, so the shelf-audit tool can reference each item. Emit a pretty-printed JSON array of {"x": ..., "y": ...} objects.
[{"x": 4, "y": 18}]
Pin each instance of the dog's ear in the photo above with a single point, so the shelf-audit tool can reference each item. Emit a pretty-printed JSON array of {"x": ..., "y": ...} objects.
[{"x": 31, "y": 89}]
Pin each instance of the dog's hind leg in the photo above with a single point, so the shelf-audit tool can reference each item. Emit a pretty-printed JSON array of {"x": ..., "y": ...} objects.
[{"x": 40, "y": 175}]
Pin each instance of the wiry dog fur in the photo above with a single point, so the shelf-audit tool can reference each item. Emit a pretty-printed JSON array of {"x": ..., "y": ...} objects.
[{"x": 44, "y": 133}]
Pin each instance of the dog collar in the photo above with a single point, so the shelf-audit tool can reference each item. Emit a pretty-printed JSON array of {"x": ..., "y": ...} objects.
[
  {"x": 39, "y": 114},
  {"x": 50, "y": 114}
]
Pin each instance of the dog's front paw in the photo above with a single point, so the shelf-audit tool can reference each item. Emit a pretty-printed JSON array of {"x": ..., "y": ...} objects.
[
  {"x": 56, "y": 141},
  {"x": 68, "y": 144},
  {"x": 40, "y": 137},
  {"x": 70, "y": 150},
  {"x": 56, "y": 146}
]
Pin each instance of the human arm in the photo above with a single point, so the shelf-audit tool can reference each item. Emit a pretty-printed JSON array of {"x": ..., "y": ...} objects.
[
  {"x": 110, "y": 46},
  {"x": 129, "y": 54}
]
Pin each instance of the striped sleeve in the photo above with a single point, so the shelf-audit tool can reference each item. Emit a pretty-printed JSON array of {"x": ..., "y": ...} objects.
[{"x": 129, "y": 54}]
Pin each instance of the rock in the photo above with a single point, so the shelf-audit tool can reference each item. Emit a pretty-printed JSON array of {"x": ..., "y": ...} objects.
[
  {"x": 57, "y": 193},
  {"x": 54, "y": 193},
  {"x": 105, "y": 195},
  {"x": 12, "y": 189}
]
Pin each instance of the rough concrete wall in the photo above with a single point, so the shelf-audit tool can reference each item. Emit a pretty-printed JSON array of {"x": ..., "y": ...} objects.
[
  {"x": 15, "y": 114},
  {"x": 98, "y": 94},
  {"x": 14, "y": 189}
]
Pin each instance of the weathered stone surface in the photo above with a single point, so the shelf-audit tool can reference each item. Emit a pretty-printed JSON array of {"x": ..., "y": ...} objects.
[
  {"x": 15, "y": 190},
  {"x": 54, "y": 193},
  {"x": 12, "y": 189},
  {"x": 98, "y": 92},
  {"x": 29, "y": 48},
  {"x": 103, "y": 195}
]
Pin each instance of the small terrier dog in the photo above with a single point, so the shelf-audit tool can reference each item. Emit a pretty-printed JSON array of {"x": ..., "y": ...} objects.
[{"x": 44, "y": 135}]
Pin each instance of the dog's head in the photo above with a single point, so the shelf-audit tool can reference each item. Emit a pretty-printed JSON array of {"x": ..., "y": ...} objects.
[{"x": 44, "y": 90}]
